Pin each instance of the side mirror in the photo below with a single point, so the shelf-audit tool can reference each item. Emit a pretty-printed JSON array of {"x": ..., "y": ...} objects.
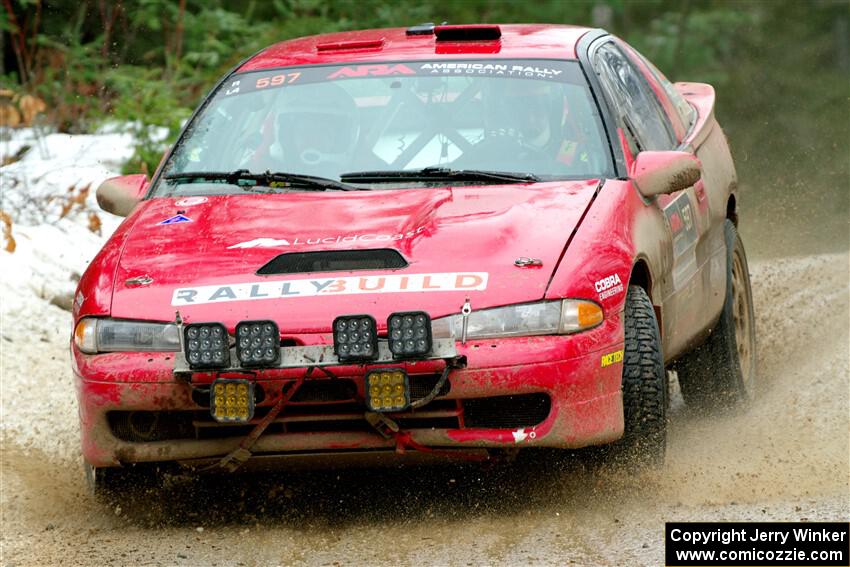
[
  {"x": 656, "y": 173},
  {"x": 120, "y": 195}
]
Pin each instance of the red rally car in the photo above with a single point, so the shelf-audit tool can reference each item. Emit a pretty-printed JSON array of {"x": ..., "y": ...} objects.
[{"x": 408, "y": 243}]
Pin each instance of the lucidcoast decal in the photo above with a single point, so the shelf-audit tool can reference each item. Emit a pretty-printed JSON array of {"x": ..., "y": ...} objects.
[
  {"x": 282, "y": 289},
  {"x": 334, "y": 239}
]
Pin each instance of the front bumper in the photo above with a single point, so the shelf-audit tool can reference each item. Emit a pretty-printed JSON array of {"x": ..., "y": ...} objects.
[{"x": 583, "y": 403}]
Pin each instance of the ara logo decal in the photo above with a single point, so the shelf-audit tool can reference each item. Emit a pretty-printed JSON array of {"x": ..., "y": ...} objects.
[
  {"x": 283, "y": 289},
  {"x": 608, "y": 286},
  {"x": 611, "y": 358},
  {"x": 373, "y": 70},
  {"x": 175, "y": 219}
]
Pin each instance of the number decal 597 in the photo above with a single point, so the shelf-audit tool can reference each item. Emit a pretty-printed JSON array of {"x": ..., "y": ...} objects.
[{"x": 277, "y": 80}]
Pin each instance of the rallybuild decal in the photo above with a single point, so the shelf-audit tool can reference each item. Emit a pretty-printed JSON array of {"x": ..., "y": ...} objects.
[
  {"x": 282, "y": 289},
  {"x": 339, "y": 239}
]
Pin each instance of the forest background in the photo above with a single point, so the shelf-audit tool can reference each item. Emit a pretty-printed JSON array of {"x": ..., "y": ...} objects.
[{"x": 781, "y": 70}]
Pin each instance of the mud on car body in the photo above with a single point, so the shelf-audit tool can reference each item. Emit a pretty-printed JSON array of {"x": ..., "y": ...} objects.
[{"x": 443, "y": 241}]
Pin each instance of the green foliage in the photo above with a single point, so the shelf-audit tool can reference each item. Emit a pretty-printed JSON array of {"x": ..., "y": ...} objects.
[
  {"x": 147, "y": 63},
  {"x": 152, "y": 110},
  {"x": 701, "y": 45}
]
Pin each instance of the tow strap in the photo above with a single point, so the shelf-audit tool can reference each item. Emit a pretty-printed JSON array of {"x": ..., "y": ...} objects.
[
  {"x": 242, "y": 453},
  {"x": 389, "y": 429}
]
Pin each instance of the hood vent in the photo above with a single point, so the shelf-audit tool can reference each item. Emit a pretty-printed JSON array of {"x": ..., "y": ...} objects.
[{"x": 334, "y": 261}]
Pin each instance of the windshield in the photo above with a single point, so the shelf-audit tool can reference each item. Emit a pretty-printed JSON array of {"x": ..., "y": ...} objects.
[{"x": 519, "y": 116}]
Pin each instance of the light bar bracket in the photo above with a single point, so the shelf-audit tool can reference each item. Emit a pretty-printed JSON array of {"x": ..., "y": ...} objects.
[{"x": 323, "y": 355}]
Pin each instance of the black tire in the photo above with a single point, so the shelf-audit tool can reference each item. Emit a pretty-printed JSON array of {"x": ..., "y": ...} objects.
[
  {"x": 721, "y": 373},
  {"x": 644, "y": 439}
]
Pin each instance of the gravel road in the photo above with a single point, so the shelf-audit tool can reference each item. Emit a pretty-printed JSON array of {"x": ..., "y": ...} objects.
[{"x": 785, "y": 458}]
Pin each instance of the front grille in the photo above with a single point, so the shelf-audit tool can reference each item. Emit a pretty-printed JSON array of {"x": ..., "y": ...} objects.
[
  {"x": 422, "y": 384},
  {"x": 507, "y": 412},
  {"x": 332, "y": 405},
  {"x": 334, "y": 261},
  {"x": 317, "y": 391}
]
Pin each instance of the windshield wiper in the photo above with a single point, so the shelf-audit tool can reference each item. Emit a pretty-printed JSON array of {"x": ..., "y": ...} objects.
[
  {"x": 266, "y": 179},
  {"x": 438, "y": 173}
]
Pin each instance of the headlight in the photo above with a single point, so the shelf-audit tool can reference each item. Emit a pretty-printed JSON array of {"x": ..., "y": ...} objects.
[
  {"x": 526, "y": 319},
  {"x": 111, "y": 335}
]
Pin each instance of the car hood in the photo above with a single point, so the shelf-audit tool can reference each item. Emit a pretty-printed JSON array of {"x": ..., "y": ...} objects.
[{"x": 200, "y": 255}]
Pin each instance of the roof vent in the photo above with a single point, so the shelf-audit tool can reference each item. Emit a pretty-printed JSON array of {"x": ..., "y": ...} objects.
[
  {"x": 334, "y": 261},
  {"x": 421, "y": 29},
  {"x": 474, "y": 32},
  {"x": 347, "y": 45}
]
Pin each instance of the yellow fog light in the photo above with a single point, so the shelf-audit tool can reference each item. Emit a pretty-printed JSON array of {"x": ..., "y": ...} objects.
[
  {"x": 387, "y": 389},
  {"x": 232, "y": 400}
]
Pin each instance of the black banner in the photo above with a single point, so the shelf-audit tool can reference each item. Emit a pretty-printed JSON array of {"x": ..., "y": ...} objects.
[
  {"x": 269, "y": 79},
  {"x": 693, "y": 544}
]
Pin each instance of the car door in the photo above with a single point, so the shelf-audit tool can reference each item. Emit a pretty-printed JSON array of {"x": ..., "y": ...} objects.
[{"x": 646, "y": 126}]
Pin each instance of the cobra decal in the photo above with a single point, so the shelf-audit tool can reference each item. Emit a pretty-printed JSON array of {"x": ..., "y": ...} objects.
[{"x": 609, "y": 286}]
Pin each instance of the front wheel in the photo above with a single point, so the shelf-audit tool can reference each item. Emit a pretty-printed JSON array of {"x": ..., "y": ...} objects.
[
  {"x": 721, "y": 372},
  {"x": 644, "y": 385}
]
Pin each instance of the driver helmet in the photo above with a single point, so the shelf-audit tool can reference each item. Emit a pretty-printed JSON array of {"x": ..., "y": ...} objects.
[
  {"x": 534, "y": 110},
  {"x": 317, "y": 129}
]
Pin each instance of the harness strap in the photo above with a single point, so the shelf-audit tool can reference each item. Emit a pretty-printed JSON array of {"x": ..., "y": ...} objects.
[{"x": 242, "y": 453}]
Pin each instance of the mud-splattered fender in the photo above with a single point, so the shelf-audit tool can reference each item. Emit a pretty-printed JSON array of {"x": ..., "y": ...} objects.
[
  {"x": 620, "y": 229},
  {"x": 94, "y": 292}
]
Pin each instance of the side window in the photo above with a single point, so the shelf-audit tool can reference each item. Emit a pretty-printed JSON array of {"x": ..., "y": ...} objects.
[
  {"x": 640, "y": 114},
  {"x": 684, "y": 110}
]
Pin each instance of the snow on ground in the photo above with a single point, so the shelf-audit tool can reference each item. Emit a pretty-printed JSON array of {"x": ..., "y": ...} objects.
[
  {"x": 43, "y": 194},
  {"x": 53, "y": 215}
]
